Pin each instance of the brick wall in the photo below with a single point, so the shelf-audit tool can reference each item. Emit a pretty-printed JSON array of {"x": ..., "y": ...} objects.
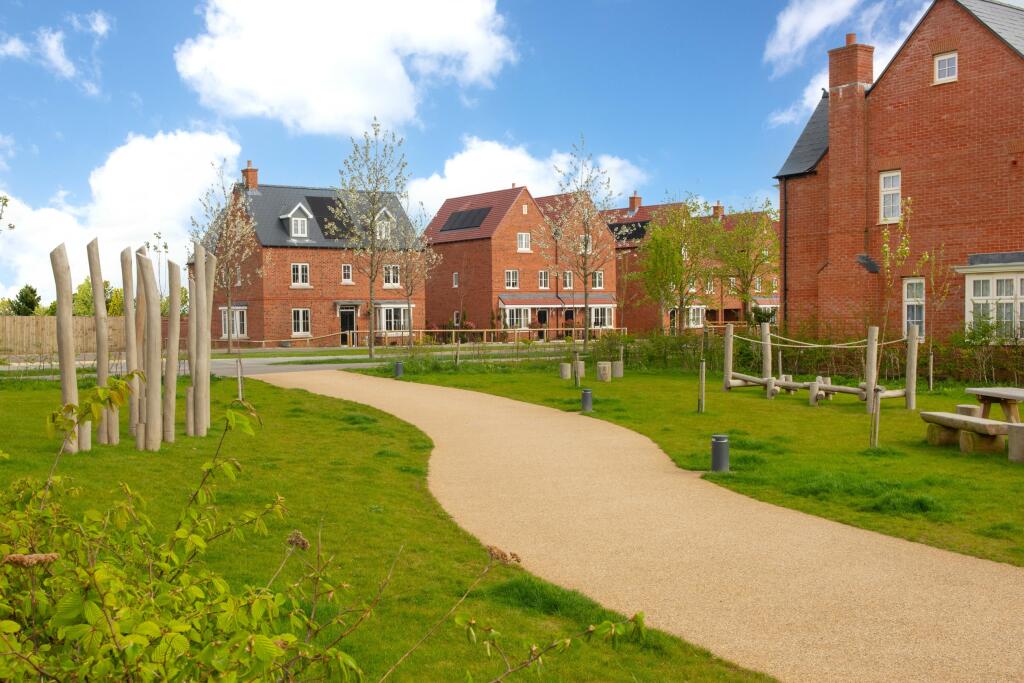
[
  {"x": 960, "y": 149},
  {"x": 472, "y": 261}
]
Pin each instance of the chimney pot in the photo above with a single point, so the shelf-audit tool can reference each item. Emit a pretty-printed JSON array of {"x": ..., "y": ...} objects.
[
  {"x": 851, "y": 38},
  {"x": 250, "y": 176},
  {"x": 634, "y": 202}
]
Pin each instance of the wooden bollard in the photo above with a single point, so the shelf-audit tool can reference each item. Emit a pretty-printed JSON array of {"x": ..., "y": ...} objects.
[
  {"x": 911, "y": 371},
  {"x": 131, "y": 358},
  {"x": 190, "y": 425},
  {"x": 565, "y": 370},
  {"x": 1016, "y": 439},
  {"x": 154, "y": 420},
  {"x": 871, "y": 369},
  {"x": 173, "y": 339},
  {"x": 813, "y": 399},
  {"x": 99, "y": 312},
  {"x": 727, "y": 358},
  {"x": 65, "y": 337}
]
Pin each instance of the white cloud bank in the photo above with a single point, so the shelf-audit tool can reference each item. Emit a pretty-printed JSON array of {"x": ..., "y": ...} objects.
[
  {"x": 147, "y": 185},
  {"x": 49, "y": 49},
  {"x": 798, "y": 25},
  {"x": 329, "y": 67},
  {"x": 486, "y": 165}
]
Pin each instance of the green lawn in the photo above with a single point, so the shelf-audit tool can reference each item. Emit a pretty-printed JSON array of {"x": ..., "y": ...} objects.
[
  {"x": 360, "y": 475},
  {"x": 810, "y": 459}
]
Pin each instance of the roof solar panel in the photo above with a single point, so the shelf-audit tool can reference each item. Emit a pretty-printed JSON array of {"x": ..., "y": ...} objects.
[{"x": 463, "y": 220}]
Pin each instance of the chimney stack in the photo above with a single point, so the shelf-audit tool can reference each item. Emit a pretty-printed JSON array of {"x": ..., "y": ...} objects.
[
  {"x": 718, "y": 211},
  {"x": 251, "y": 176},
  {"x": 634, "y": 202},
  {"x": 851, "y": 64}
]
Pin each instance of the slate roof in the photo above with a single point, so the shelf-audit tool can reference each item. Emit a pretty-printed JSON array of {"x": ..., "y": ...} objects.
[
  {"x": 498, "y": 202},
  {"x": 812, "y": 144},
  {"x": 269, "y": 202},
  {"x": 1006, "y": 21}
]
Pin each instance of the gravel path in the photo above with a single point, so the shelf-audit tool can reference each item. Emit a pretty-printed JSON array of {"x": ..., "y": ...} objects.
[{"x": 600, "y": 509}]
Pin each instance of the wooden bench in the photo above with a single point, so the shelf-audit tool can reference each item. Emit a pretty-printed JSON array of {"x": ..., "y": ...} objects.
[{"x": 974, "y": 434}]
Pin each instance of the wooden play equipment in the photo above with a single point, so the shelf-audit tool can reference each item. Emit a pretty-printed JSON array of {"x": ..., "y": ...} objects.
[
  {"x": 152, "y": 409},
  {"x": 822, "y": 388}
]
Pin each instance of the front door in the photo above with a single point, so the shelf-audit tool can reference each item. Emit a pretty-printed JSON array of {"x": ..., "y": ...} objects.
[
  {"x": 347, "y": 317},
  {"x": 542, "y": 322}
]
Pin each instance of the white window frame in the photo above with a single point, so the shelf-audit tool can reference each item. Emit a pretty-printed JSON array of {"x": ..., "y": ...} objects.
[
  {"x": 543, "y": 279},
  {"x": 300, "y": 276},
  {"x": 757, "y": 284},
  {"x": 384, "y": 225},
  {"x": 912, "y": 299},
  {"x": 890, "y": 193},
  {"x": 950, "y": 75},
  {"x": 392, "y": 276},
  {"x": 525, "y": 209},
  {"x": 395, "y": 319},
  {"x": 516, "y": 317},
  {"x": 523, "y": 242},
  {"x": 239, "y": 321},
  {"x": 456, "y": 318},
  {"x": 733, "y": 284},
  {"x": 567, "y": 279},
  {"x": 695, "y": 317},
  {"x": 709, "y": 286},
  {"x": 597, "y": 279},
  {"x": 455, "y": 280},
  {"x": 985, "y": 289},
  {"x": 299, "y": 227},
  {"x": 346, "y": 279},
  {"x": 302, "y": 318},
  {"x": 512, "y": 279},
  {"x": 601, "y": 317}
]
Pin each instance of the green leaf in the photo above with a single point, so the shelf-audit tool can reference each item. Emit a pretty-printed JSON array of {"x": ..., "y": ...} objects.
[
  {"x": 92, "y": 612},
  {"x": 7, "y": 626},
  {"x": 265, "y": 649},
  {"x": 148, "y": 628}
]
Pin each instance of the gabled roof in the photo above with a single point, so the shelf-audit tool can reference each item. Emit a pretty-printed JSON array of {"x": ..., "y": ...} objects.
[
  {"x": 812, "y": 144},
  {"x": 479, "y": 224},
  {"x": 1006, "y": 21},
  {"x": 270, "y": 202}
]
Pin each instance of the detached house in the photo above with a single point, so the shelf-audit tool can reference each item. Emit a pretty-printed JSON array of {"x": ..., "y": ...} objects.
[
  {"x": 495, "y": 273},
  {"x": 943, "y": 124},
  {"x": 715, "y": 301},
  {"x": 310, "y": 290}
]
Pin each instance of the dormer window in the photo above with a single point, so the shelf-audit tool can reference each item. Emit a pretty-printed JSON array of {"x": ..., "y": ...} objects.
[
  {"x": 300, "y": 227},
  {"x": 385, "y": 225},
  {"x": 946, "y": 67}
]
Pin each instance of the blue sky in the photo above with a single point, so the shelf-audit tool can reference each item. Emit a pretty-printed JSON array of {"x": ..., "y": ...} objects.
[{"x": 112, "y": 112}]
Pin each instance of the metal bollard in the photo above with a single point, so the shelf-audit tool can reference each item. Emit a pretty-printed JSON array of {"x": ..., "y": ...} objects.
[
  {"x": 399, "y": 369},
  {"x": 719, "y": 452},
  {"x": 587, "y": 401}
]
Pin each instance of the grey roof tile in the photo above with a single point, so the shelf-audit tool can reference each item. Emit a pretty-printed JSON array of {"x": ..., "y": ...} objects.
[
  {"x": 812, "y": 144},
  {"x": 1006, "y": 21}
]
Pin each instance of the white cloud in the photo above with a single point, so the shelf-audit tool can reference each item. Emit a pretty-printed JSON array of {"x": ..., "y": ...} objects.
[
  {"x": 486, "y": 165},
  {"x": 50, "y": 44},
  {"x": 800, "y": 23},
  {"x": 96, "y": 23},
  {"x": 6, "y": 151},
  {"x": 14, "y": 47},
  {"x": 328, "y": 67},
  {"x": 147, "y": 185},
  {"x": 885, "y": 25}
]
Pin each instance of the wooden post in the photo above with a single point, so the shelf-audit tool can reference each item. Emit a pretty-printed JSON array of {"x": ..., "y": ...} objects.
[
  {"x": 871, "y": 368},
  {"x": 154, "y": 421},
  {"x": 140, "y": 336},
  {"x": 99, "y": 315},
  {"x": 458, "y": 348},
  {"x": 173, "y": 339},
  {"x": 207, "y": 324},
  {"x": 190, "y": 415},
  {"x": 911, "y": 373},
  {"x": 727, "y": 358},
  {"x": 198, "y": 304},
  {"x": 700, "y": 388},
  {"x": 766, "y": 351},
  {"x": 238, "y": 378},
  {"x": 131, "y": 353},
  {"x": 65, "y": 337},
  {"x": 779, "y": 369},
  {"x": 576, "y": 368},
  {"x": 813, "y": 399}
]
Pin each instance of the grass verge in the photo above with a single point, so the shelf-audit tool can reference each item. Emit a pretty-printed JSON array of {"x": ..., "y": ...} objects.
[{"x": 359, "y": 477}]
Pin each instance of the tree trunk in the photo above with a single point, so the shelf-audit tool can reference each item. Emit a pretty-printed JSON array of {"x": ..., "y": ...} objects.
[
  {"x": 373, "y": 327},
  {"x": 230, "y": 321},
  {"x": 586, "y": 311},
  {"x": 408, "y": 313}
]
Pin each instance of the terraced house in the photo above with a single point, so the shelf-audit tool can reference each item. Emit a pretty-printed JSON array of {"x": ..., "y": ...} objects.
[
  {"x": 942, "y": 125},
  {"x": 310, "y": 290},
  {"x": 496, "y": 273},
  {"x": 715, "y": 300}
]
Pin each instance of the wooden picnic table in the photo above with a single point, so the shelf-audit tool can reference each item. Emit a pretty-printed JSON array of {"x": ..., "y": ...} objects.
[{"x": 1009, "y": 398}]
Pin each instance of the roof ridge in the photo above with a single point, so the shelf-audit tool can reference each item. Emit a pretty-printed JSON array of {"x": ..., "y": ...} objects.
[{"x": 518, "y": 188}]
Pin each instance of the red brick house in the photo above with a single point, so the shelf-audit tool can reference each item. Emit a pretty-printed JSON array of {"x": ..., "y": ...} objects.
[
  {"x": 309, "y": 290},
  {"x": 637, "y": 312},
  {"x": 495, "y": 274},
  {"x": 944, "y": 125}
]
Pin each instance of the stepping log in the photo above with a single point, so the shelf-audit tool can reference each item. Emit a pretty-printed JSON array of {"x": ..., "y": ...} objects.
[
  {"x": 1016, "y": 433},
  {"x": 604, "y": 371},
  {"x": 617, "y": 369},
  {"x": 565, "y": 370}
]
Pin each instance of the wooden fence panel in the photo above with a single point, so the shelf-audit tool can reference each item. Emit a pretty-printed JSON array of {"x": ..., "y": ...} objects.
[{"x": 32, "y": 335}]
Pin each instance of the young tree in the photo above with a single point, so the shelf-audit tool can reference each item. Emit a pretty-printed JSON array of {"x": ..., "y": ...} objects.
[
  {"x": 227, "y": 229},
  {"x": 677, "y": 255},
  {"x": 82, "y": 299},
  {"x": 939, "y": 276},
  {"x": 416, "y": 259},
  {"x": 27, "y": 301},
  {"x": 747, "y": 252},
  {"x": 575, "y": 236},
  {"x": 4, "y": 201},
  {"x": 372, "y": 189}
]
